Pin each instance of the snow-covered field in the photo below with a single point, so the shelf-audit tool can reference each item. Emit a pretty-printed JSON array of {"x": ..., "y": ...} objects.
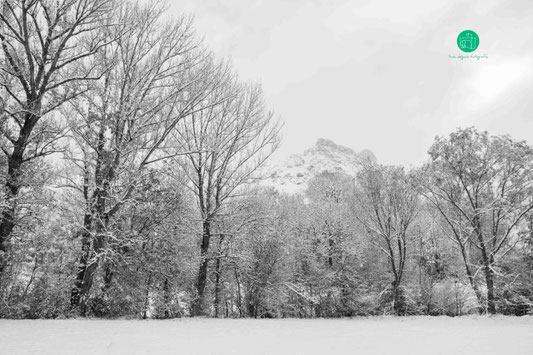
[{"x": 380, "y": 335}]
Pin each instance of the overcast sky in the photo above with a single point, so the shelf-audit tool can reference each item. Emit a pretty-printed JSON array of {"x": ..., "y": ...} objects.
[{"x": 377, "y": 74}]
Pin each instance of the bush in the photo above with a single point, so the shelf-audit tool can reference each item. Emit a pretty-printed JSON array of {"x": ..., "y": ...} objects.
[{"x": 517, "y": 302}]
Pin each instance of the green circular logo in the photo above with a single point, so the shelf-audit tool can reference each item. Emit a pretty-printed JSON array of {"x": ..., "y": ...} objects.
[{"x": 468, "y": 41}]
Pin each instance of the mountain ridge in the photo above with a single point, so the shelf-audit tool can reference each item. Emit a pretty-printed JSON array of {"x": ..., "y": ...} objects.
[{"x": 293, "y": 174}]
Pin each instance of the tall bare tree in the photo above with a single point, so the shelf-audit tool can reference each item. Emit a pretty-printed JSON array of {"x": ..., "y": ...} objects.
[
  {"x": 387, "y": 204},
  {"x": 228, "y": 142},
  {"x": 46, "y": 46},
  {"x": 156, "y": 74}
]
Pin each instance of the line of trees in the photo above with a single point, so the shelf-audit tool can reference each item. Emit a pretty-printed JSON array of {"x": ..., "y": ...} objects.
[{"x": 129, "y": 169}]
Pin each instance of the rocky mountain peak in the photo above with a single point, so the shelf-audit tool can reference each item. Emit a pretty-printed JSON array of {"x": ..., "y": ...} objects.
[
  {"x": 292, "y": 174},
  {"x": 324, "y": 144}
]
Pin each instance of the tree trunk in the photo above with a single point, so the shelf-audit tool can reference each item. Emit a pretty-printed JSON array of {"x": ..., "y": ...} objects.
[
  {"x": 86, "y": 270},
  {"x": 470, "y": 275},
  {"x": 13, "y": 182},
  {"x": 11, "y": 188},
  {"x": 198, "y": 308},
  {"x": 95, "y": 224},
  {"x": 86, "y": 285},
  {"x": 147, "y": 297},
  {"x": 239, "y": 292},
  {"x": 6, "y": 227},
  {"x": 166, "y": 298},
  {"x": 491, "y": 300},
  {"x": 398, "y": 303},
  {"x": 75, "y": 295},
  {"x": 488, "y": 261},
  {"x": 218, "y": 286}
]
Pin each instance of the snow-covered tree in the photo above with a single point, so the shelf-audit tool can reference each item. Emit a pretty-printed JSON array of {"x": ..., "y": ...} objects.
[{"x": 482, "y": 186}]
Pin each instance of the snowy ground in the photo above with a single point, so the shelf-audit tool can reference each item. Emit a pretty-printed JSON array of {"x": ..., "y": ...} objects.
[{"x": 412, "y": 335}]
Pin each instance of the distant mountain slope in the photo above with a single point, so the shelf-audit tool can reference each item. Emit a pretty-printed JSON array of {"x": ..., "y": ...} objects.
[{"x": 293, "y": 174}]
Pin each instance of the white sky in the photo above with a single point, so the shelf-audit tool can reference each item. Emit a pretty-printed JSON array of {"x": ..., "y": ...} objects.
[{"x": 376, "y": 74}]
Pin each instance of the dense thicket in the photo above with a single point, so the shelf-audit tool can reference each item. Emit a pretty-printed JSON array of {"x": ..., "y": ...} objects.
[{"x": 130, "y": 172}]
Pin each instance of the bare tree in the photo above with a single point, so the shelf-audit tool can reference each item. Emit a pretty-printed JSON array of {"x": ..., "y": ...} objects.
[
  {"x": 46, "y": 46},
  {"x": 229, "y": 142},
  {"x": 156, "y": 75},
  {"x": 386, "y": 206},
  {"x": 482, "y": 187}
]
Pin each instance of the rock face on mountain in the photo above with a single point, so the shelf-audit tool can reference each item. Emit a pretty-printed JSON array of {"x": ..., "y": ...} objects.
[{"x": 293, "y": 174}]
